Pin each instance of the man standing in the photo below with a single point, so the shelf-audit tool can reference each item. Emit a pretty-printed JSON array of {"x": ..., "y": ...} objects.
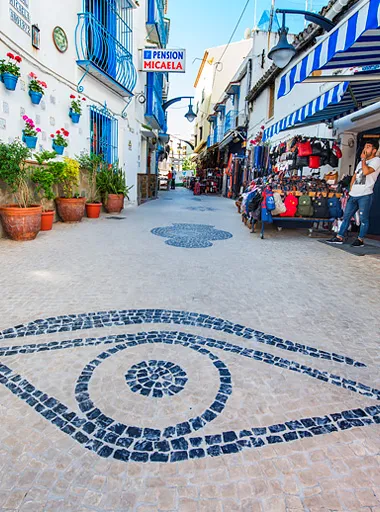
[
  {"x": 174, "y": 174},
  {"x": 361, "y": 193}
]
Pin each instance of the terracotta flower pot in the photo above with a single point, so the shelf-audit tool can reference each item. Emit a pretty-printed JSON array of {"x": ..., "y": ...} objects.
[
  {"x": 71, "y": 210},
  {"x": 47, "y": 220},
  {"x": 93, "y": 210},
  {"x": 115, "y": 203},
  {"x": 21, "y": 223}
]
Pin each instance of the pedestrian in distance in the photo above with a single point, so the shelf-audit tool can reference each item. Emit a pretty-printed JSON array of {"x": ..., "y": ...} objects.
[
  {"x": 174, "y": 174},
  {"x": 361, "y": 193}
]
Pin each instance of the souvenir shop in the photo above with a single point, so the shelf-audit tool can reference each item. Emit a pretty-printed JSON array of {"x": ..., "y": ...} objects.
[
  {"x": 295, "y": 184},
  {"x": 208, "y": 178},
  {"x": 232, "y": 154}
]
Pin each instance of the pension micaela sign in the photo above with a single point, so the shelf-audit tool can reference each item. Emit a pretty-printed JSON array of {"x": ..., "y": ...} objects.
[{"x": 172, "y": 61}]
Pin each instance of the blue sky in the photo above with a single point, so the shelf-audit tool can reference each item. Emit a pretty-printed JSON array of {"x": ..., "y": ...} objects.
[{"x": 200, "y": 24}]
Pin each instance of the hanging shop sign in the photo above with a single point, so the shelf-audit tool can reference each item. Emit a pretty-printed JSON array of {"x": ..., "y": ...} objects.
[{"x": 165, "y": 61}]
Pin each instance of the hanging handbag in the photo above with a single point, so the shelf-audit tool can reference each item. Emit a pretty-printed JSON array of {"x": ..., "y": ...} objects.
[
  {"x": 304, "y": 148},
  {"x": 336, "y": 150},
  {"x": 325, "y": 153},
  {"x": 314, "y": 162},
  {"x": 302, "y": 161},
  {"x": 333, "y": 160},
  {"x": 316, "y": 147}
]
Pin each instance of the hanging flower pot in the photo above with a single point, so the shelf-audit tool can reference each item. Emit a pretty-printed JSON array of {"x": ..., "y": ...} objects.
[
  {"x": 36, "y": 88},
  {"x": 60, "y": 142},
  {"x": 58, "y": 149},
  {"x": 75, "y": 117},
  {"x": 47, "y": 219},
  {"x": 10, "y": 81},
  {"x": 76, "y": 108},
  {"x": 30, "y": 133},
  {"x": 36, "y": 97}
]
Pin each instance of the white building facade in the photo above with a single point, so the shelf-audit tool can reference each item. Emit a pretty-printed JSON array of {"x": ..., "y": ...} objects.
[{"x": 90, "y": 49}]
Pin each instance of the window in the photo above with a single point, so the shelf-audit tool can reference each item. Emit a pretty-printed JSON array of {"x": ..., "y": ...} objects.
[
  {"x": 203, "y": 96},
  {"x": 200, "y": 134},
  {"x": 104, "y": 41},
  {"x": 104, "y": 134},
  {"x": 272, "y": 91}
]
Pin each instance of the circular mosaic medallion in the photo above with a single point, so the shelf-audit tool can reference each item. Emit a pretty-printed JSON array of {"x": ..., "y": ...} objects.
[{"x": 156, "y": 378}]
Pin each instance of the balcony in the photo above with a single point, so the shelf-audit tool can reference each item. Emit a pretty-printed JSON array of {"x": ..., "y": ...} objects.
[
  {"x": 154, "y": 111},
  {"x": 104, "y": 44},
  {"x": 230, "y": 122},
  {"x": 157, "y": 25}
]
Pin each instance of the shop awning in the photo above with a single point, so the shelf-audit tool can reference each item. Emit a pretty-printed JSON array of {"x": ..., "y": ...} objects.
[
  {"x": 341, "y": 100},
  {"x": 353, "y": 42}
]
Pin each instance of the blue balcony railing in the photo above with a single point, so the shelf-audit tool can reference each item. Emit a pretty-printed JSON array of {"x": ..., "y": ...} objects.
[
  {"x": 154, "y": 111},
  {"x": 230, "y": 121},
  {"x": 104, "y": 44},
  {"x": 157, "y": 25}
]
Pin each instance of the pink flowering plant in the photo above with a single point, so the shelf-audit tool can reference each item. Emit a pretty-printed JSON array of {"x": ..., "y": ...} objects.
[
  {"x": 76, "y": 104},
  {"x": 30, "y": 129},
  {"x": 36, "y": 85},
  {"x": 12, "y": 65}
]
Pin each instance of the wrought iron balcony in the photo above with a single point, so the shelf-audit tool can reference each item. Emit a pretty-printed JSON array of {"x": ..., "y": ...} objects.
[
  {"x": 104, "y": 48},
  {"x": 230, "y": 122},
  {"x": 154, "y": 111},
  {"x": 157, "y": 24}
]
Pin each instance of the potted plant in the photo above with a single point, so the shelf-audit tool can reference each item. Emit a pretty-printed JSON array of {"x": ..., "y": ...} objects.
[
  {"x": 21, "y": 221},
  {"x": 45, "y": 177},
  {"x": 60, "y": 141},
  {"x": 70, "y": 207},
  {"x": 112, "y": 187},
  {"x": 91, "y": 165},
  {"x": 10, "y": 71},
  {"x": 30, "y": 133},
  {"x": 36, "y": 89},
  {"x": 76, "y": 108}
]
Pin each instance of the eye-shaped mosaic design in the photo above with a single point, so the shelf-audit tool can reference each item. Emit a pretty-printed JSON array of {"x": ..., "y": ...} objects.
[
  {"x": 107, "y": 437},
  {"x": 156, "y": 378},
  {"x": 191, "y": 236}
]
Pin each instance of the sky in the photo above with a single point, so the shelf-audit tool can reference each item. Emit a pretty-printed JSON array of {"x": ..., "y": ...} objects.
[{"x": 200, "y": 24}]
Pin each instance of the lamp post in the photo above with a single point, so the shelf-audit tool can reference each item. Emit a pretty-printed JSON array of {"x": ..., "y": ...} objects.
[
  {"x": 190, "y": 115},
  {"x": 283, "y": 52}
]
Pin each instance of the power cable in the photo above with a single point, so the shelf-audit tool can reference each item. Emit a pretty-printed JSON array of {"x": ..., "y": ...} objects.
[{"x": 234, "y": 31}]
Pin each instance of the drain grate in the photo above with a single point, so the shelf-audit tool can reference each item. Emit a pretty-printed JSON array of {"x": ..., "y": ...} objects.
[{"x": 116, "y": 218}]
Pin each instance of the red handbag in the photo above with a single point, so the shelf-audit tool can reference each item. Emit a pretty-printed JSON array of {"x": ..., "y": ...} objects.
[
  {"x": 314, "y": 162},
  {"x": 304, "y": 148},
  {"x": 336, "y": 149}
]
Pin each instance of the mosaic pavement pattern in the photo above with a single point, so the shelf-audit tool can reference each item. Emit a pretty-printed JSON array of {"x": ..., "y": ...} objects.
[
  {"x": 191, "y": 236},
  {"x": 96, "y": 431},
  {"x": 156, "y": 378},
  {"x": 201, "y": 208}
]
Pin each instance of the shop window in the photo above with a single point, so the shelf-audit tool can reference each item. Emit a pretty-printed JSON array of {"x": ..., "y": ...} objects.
[
  {"x": 200, "y": 134},
  {"x": 104, "y": 134},
  {"x": 271, "y": 100}
]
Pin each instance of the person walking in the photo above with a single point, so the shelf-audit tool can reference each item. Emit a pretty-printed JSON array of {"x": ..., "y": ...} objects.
[
  {"x": 361, "y": 193},
  {"x": 174, "y": 174}
]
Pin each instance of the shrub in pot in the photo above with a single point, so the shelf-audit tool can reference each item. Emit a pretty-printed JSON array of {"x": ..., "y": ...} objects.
[
  {"x": 70, "y": 206},
  {"x": 30, "y": 133},
  {"x": 22, "y": 220},
  {"x": 91, "y": 164},
  {"x": 60, "y": 141},
  {"x": 112, "y": 187},
  {"x": 45, "y": 176},
  {"x": 76, "y": 108}
]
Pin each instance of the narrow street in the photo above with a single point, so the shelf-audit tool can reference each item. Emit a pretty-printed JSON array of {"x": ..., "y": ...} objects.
[{"x": 192, "y": 368}]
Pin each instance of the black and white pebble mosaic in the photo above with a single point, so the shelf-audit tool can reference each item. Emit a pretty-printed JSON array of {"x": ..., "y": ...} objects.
[
  {"x": 112, "y": 318},
  {"x": 191, "y": 236},
  {"x": 156, "y": 379},
  {"x": 109, "y": 438}
]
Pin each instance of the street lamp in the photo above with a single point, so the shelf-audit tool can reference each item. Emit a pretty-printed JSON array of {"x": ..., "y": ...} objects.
[
  {"x": 283, "y": 52},
  {"x": 191, "y": 115}
]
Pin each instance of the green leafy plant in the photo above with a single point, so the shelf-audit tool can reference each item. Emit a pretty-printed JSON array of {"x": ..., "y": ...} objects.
[
  {"x": 48, "y": 175},
  {"x": 76, "y": 105},
  {"x": 111, "y": 180},
  {"x": 36, "y": 85},
  {"x": 14, "y": 172},
  {"x": 60, "y": 137},
  {"x": 68, "y": 177},
  {"x": 188, "y": 165},
  {"x": 91, "y": 164},
  {"x": 11, "y": 66}
]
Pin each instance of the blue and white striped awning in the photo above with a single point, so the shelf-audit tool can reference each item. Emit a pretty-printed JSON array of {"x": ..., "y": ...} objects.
[
  {"x": 337, "y": 102},
  {"x": 354, "y": 42}
]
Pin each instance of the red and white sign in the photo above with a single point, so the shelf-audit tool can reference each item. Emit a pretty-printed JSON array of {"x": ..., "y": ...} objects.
[{"x": 164, "y": 61}]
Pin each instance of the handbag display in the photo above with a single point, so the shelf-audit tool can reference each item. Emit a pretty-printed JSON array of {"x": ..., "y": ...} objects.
[
  {"x": 304, "y": 148},
  {"x": 302, "y": 161},
  {"x": 316, "y": 147},
  {"x": 314, "y": 162}
]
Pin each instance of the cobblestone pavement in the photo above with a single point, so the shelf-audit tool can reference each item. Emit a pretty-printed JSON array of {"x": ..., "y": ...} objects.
[{"x": 202, "y": 369}]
